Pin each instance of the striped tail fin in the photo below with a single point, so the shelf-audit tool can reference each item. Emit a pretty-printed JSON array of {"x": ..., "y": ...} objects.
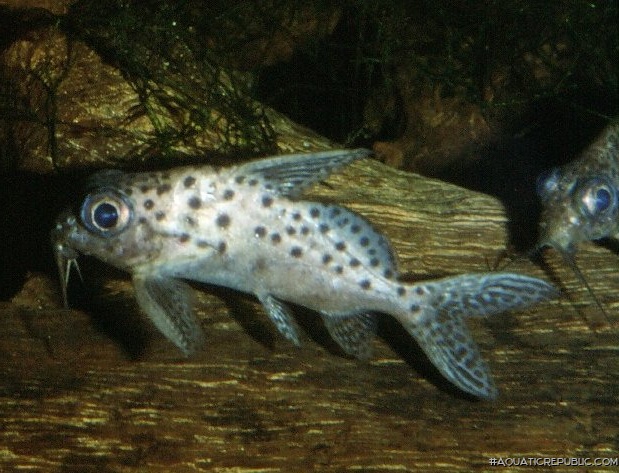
[{"x": 435, "y": 318}]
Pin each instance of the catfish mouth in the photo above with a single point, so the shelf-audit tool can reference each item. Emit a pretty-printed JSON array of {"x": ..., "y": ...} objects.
[
  {"x": 554, "y": 233},
  {"x": 65, "y": 255}
]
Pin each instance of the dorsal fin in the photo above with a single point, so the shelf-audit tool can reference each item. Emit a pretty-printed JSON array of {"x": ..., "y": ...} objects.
[{"x": 289, "y": 175}]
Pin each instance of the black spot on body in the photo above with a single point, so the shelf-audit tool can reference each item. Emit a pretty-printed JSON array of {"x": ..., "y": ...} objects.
[
  {"x": 189, "y": 181},
  {"x": 260, "y": 231},
  {"x": 148, "y": 204},
  {"x": 314, "y": 212},
  {"x": 304, "y": 230},
  {"x": 364, "y": 241},
  {"x": 268, "y": 187},
  {"x": 159, "y": 215},
  {"x": 222, "y": 220},
  {"x": 415, "y": 308},
  {"x": 163, "y": 188},
  {"x": 190, "y": 221},
  {"x": 202, "y": 244},
  {"x": 144, "y": 189},
  {"x": 326, "y": 258},
  {"x": 221, "y": 248},
  {"x": 194, "y": 202},
  {"x": 365, "y": 284},
  {"x": 401, "y": 291},
  {"x": 340, "y": 246},
  {"x": 259, "y": 265},
  {"x": 355, "y": 228},
  {"x": 343, "y": 222},
  {"x": 388, "y": 274},
  {"x": 296, "y": 252},
  {"x": 267, "y": 201},
  {"x": 128, "y": 191},
  {"x": 239, "y": 179},
  {"x": 228, "y": 194},
  {"x": 420, "y": 291},
  {"x": 374, "y": 262},
  {"x": 296, "y": 216},
  {"x": 290, "y": 230},
  {"x": 335, "y": 212},
  {"x": 142, "y": 220},
  {"x": 252, "y": 182},
  {"x": 184, "y": 238},
  {"x": 354, "y": 262},
  {"x": 276, "y": 238},
  {"x": 323, "y": 228},
  {"x": 338, "y": 269}
]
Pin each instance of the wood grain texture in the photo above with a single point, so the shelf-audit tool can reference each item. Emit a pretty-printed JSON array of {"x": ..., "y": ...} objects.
[{"x": 99, "y": 390}]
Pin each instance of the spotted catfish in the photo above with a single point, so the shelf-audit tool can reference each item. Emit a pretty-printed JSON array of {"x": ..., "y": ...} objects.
[
  {"x": 580, "y": 200},
  {"x": 244, "y": 227}
]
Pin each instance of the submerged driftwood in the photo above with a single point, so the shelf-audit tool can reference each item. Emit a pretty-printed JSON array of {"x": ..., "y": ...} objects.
[{"x": 99, "y": 390}]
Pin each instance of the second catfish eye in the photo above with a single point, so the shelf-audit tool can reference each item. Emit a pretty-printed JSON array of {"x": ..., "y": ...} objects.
[
  {"x": 547, "y": 183},
  {"x": 106, "y": 213},
  {"x": 598, "y": 198}
]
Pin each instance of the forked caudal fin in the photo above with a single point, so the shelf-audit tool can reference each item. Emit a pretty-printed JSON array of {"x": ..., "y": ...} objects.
[{"x": 435, "y": 318}]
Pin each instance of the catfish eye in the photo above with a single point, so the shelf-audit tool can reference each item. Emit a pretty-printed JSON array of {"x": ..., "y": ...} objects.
[
  {"x": 547, "y": 183},
  {"x": 598, "y": 197},
  {"x": 106, "y": 213}
]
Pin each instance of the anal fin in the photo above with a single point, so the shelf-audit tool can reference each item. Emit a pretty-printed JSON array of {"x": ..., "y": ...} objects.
[
  {"x": 353, "y": 333},
  {"x": 168, "y": 302}
]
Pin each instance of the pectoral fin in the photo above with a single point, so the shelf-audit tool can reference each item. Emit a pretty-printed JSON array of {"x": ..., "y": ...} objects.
[{"x": 168, "y": 302}]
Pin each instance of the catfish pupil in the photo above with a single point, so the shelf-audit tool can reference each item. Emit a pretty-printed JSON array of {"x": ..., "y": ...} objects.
[
  {"x": 602, "y": 199},
  {"x": 105, "y": 215}
]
